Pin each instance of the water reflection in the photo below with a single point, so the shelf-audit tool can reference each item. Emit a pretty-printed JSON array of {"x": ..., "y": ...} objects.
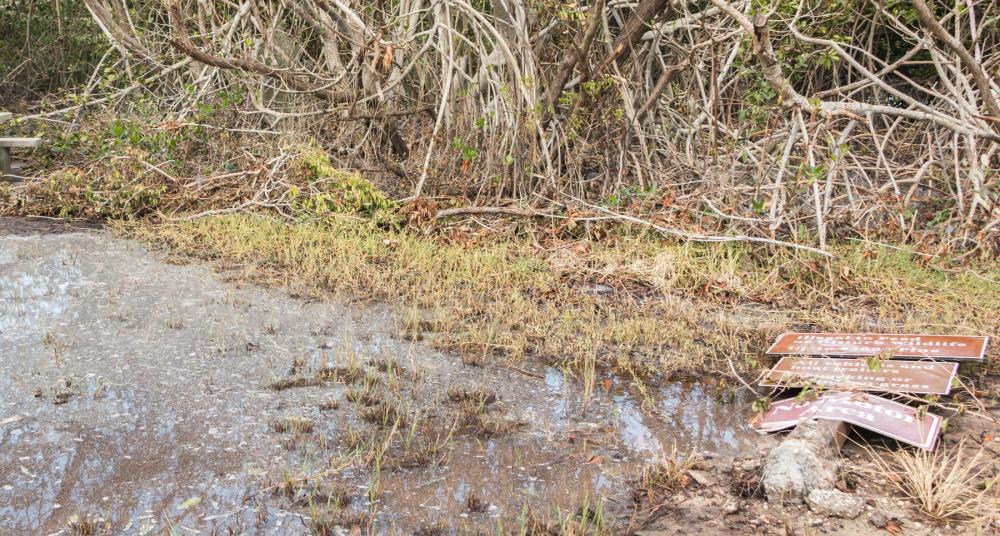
[
  {"x": 688, "y": 416},
  {"x": 160, "y": 415},
  {"x": 696, "y": 414},
  {"x": 634, "y": 432}
]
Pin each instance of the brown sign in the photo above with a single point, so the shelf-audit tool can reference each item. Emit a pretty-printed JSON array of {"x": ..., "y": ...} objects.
[
  {"x": 892, "y": 419},
  {"x": 861, "y": 344},
  {"x": 922, "y": 377}
]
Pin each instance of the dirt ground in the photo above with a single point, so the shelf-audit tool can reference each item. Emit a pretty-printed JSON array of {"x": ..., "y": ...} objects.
[{"x": 143, "y": 394}]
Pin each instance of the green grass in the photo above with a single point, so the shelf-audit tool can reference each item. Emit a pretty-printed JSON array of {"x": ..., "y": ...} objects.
[{"x": 677, "y": 308}]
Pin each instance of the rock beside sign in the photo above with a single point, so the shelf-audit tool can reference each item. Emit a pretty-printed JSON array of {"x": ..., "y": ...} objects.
[
  {"x": 805, "y": 461},
  {"x": 835, "y": 503}
]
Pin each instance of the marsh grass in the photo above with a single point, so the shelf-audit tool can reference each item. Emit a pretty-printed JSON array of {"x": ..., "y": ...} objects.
[
  {"x": 477, "y": 397},
  {"x": 663, "y": 477},
  {"x": 293, "y": 424},
  {"x": 347, "y": 374},
  {"x": 291, "y": 383},
  {"x": 334, "y": 521},
  {"x": 588, "y": 520},
  {"x": 952, "y": 483},
  {"x": 87, "y": 525},
  {"x": 679, "y": 308}
]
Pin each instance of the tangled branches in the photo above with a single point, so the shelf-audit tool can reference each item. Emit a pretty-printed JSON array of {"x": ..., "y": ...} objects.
[{"x": 807, "y": 119}]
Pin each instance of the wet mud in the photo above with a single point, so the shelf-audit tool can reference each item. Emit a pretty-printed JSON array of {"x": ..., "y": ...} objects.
[{"x": 141, "y": 392}]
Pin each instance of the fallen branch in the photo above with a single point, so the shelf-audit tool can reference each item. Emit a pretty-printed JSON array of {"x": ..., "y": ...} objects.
[
  {"x": 509, "y": 211},
  {"x": 693, "y": 237},
  {"x": 291, "y": 79},
  {"x": 771, "y": 70},
  {"x": 929, "y": 21},
  {"x": 698, "y": 237},
  {"x": 383, "y": 115}
]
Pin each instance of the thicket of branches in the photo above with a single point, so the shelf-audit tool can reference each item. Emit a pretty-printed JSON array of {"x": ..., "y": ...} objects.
[{"x": 800, "y": 120}]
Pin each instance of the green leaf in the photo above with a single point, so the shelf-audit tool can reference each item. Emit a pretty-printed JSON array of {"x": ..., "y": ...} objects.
[{"x": 190, "y": 503}]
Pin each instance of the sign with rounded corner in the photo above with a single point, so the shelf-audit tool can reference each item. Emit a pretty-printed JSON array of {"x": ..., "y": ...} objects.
[{"x": 947, "y": 347}]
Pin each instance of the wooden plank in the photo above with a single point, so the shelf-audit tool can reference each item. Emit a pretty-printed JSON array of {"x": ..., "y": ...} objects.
[
  {"x": 20, "y": 142},
  {"x": 5, "y": 116}
]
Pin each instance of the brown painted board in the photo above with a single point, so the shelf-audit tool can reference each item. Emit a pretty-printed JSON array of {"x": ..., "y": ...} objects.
[
  {"x": 957, "y": 347},
  {"x": 919, "y": 377},
  {"x": 892, "y": 419}
]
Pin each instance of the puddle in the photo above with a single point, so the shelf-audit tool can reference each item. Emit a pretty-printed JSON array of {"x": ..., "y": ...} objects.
[{"x": 134, "y": 390}]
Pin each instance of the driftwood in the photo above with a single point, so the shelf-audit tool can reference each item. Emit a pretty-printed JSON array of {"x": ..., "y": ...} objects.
[{"x": 610, "y": 215}]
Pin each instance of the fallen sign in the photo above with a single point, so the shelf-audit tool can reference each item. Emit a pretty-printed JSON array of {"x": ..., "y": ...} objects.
[
  {"x": 957, "y": 347},
  {"x": 891, "y": 419},
  {"x": 922, "y": 377}
]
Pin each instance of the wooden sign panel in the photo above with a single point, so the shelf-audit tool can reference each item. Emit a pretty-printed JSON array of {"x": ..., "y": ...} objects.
[
  {"x": 892, "y": 419},
  {"x": 957, "y": 347},
  {"x": 921, "y": 377}
]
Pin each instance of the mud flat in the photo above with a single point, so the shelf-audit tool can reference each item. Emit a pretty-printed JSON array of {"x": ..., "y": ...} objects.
[{"x": 149, "y": 395}]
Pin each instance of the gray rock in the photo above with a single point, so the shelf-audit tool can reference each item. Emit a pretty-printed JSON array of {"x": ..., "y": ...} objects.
[
  {"x": 702, "y": 478},
  {"x": 835, "y": 503},
  {"x": 878, "y": 519},
  {"x": 808, "y": 459},
  {"x": 731, "y": 506}
]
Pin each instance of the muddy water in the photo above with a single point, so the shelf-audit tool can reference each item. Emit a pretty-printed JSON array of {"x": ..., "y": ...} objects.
[{"x": 133, "y": 390}]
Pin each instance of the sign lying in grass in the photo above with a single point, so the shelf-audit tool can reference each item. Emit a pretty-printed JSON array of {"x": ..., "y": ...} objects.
[
  {"x": 898, "y": 421},
  {"x": 952, "y": 347},
  {"x": 921, "y": 377}
]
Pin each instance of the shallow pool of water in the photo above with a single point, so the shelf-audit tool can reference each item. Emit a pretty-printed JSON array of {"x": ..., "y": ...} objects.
[{"x": 134, "y": 390}]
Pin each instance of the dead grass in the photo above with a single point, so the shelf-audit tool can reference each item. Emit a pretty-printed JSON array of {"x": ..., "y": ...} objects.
[
  {"x": 662, "y": 478},
  {"x": 476, "y": 397},
  {"x": 385, "y": 414},
  {"x": 291, "y": 383},
  {"x": 676, "y": 308},
  {"x": 588, "y": 520},
  {"x": 475, "y": 504},
  {"x": 952, "y": 483},
  {"x": 389, "y": 365},
  {"x": 332, "y": 522},
  {"x": 349, "y": 374},
  {"x": 87, "y": 525},
  {"x": 292, "y": 423}
]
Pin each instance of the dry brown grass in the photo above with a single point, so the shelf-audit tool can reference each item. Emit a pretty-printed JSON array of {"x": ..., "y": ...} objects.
[
  {"x": 476, "y": 397},
  {"x": 952, "y": 483},
  {"x": 662, "y": 477},
  {"x": 87, "y": 525},
  {"x": 293, "y": 424}
]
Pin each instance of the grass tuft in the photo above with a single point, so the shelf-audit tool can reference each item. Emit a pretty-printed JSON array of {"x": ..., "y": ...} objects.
[{"x": 958, "y": 482}]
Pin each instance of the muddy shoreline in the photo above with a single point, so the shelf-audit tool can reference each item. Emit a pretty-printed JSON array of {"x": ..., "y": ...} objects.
[{"x": 135, "y": 392}]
